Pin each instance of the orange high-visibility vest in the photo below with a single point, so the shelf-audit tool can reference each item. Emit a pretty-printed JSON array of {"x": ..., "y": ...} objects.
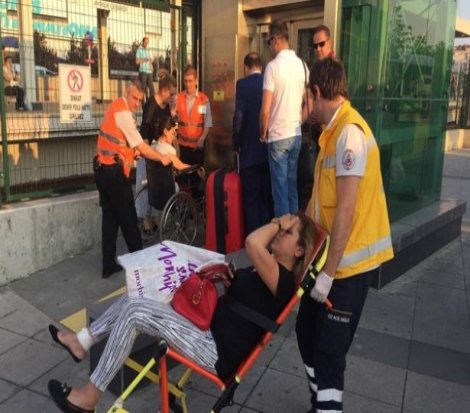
[
  {"x": 112, "y": 145},
  {"x": 190, "y": 127}
]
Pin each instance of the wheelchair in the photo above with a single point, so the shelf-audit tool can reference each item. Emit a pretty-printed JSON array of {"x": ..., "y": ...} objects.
[{"x": 181, "y": 210}]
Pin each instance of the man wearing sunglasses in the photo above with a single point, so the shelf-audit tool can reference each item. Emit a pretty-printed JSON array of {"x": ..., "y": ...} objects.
[
  {"x": 322, "y": 42},
  {"x": 280, "y": 117}
]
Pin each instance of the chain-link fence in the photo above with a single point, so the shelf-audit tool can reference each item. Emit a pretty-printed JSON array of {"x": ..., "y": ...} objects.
[{"x": 63, "y": 62}]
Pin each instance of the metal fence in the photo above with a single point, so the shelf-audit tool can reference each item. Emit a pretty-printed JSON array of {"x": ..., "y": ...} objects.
[{"x": 45, "y": 149}]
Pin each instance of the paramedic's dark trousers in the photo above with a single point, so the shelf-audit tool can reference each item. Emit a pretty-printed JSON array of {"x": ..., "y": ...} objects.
[
  {"x": 324, "y": 337},
  {"x": 117, "y": 203}
]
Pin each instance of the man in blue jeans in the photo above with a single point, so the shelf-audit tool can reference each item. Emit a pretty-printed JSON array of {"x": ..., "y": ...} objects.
[
  {"x": 281, "y": 116},
  {"x": 144, "y": 60}
]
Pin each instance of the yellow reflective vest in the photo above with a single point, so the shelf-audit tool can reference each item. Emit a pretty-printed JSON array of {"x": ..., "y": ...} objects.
[{"x": 369, "y": 243}]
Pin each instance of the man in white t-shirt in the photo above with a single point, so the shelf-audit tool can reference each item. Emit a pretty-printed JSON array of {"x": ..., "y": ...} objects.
[{"x": 280, "y": 117}]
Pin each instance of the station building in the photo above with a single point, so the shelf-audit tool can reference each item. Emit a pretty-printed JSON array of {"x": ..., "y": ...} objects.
[{"x": 397, "y": 53}]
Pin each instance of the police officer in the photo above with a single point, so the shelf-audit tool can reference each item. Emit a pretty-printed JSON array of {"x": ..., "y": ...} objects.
[
  {"x": 119, "y": 142},
  {"x": 348, "y": 200}
]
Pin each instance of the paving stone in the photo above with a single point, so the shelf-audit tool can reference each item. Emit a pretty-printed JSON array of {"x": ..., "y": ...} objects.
[
  {"x": 354, "y": 403},
  {"x": 9, "y": 340},
  {"x": 5, "y": 306},
  {"x": 429, "y": 395},
  {"x": 29, "y": 361},
  {"x": 200, "y": 402},
  {"x": 280, "y": 392},
  {"x": 7, "y": 390},
  {"x": 375, "y": 380},
  {"x": 445, "y": 278},
  {"x": 450, "y": 188},
  {"x": 73, "y": 291},
  {"x": 441, "y": 318},
  {"x": 388, "y": 313},
  {"x": 74, "y": 374},
  {"x": 244, "y": 390},
  {"x": 288, "y": 359},
  {"x": 441, "y": 363},
  {"x": 26, "y": 324},
  {"x": 28, "y": 401},
  {"x": 26, "y": 319},
  {"x": 384, "y": 348},
  {"x": 406, "y": 285}
]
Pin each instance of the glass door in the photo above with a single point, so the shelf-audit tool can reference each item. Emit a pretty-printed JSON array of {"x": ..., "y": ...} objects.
[{"x": 302, "y": 39}]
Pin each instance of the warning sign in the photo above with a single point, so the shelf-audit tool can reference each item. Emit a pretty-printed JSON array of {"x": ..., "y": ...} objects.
[{"x": 75, "y": 93}]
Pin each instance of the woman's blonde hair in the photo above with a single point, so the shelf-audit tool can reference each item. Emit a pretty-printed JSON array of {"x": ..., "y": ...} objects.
[{"x": 307, "y": 239}]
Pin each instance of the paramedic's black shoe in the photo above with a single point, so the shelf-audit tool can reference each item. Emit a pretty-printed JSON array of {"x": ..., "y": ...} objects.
[
  {"x": 108, "y": 273},
  {"x": 54, "y": 331},
  {"x": 59, "y": 393}
]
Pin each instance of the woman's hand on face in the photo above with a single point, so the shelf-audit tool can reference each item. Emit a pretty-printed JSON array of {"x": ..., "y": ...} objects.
[{"x": 287, "y": 221}]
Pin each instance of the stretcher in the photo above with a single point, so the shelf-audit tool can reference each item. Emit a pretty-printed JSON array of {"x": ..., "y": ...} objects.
[{"x": 172, "y": 395}]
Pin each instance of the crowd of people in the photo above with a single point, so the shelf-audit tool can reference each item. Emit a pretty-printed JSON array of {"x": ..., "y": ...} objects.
[{"x": 347, "y": 199}]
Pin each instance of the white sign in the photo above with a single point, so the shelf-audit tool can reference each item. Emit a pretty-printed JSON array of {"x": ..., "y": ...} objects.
[{"x": 75, "y": 93}]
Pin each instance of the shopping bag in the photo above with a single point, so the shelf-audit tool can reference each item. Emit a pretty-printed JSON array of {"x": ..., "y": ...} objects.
[{"x": 156, "y": 272}]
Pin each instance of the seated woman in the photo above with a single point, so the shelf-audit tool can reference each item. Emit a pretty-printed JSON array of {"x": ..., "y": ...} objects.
[
  {"x": 11, "y": 82},
  {"x": 165, "y": 129},
  {"x": 166, "y": 138},
  {"x": 266, "y": 288}
]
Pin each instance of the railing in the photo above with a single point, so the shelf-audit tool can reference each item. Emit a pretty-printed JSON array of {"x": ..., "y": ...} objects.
[{"x": 41, "y": 154}]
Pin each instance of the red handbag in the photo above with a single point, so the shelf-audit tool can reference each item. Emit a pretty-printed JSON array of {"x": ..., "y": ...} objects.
[{"x": 196, "y": 298}]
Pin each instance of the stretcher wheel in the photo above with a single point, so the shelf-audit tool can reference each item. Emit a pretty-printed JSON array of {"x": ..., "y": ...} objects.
[
  {"x": 179, "y": 219},
  {"x": 174, "y": 406}
]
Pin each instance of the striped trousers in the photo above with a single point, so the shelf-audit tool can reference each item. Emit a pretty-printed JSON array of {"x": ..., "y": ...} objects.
[
  {"x": 324, "y": 337},
  {"x": 127, "y": 316}
]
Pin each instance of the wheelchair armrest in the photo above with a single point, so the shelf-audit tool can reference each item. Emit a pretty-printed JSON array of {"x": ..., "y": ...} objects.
[{"x": 189, "y": 170}]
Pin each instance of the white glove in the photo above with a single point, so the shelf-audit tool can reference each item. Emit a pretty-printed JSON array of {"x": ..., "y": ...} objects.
[{"x": 322, "y": 287}]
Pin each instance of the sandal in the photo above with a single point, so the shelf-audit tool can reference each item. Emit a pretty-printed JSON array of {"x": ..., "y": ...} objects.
[
  {"x": 59, "y": 393},
  {"x": 54, "y": 331}
]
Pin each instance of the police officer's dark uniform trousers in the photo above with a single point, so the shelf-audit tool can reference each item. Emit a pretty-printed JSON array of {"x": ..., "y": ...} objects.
[{"x": 117, "y": 203}]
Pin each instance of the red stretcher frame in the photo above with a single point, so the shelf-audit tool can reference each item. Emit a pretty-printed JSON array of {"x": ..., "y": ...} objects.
[
  {"x": 316, "y": 263},
  {"x": 228, "y": 387}
]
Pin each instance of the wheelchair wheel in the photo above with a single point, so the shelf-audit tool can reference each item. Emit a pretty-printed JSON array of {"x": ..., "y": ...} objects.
[{"x": 179, "y": 219}]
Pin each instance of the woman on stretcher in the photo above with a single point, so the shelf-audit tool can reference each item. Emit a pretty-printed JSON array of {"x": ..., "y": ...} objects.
[{"x": 266, "y": 288}]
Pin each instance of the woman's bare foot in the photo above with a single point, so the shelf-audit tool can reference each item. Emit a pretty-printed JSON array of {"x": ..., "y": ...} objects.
[{"x": 70, "y": 341}]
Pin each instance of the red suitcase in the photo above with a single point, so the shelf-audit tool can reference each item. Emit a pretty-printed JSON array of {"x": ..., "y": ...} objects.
[{"x": 224, "y": 212}]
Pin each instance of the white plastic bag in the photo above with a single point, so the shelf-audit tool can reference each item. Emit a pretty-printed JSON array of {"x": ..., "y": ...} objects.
[{"x": 156, "y": 272}]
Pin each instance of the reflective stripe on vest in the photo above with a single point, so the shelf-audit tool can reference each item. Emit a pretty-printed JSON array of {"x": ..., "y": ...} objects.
[
  {"x": 184, "y": 124},
  {"x": 369, "y": 243},
  {"x": 360, "y": 255},
  {"x": 112, "y": 138},
  {"x": 112, "y": 146},
  {"x": 190, "y": 125}
]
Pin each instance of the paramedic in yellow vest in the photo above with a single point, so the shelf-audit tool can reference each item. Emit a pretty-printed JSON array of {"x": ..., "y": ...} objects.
[
  {"x": 119, "y": 142},
  {"x": 194, "y": 119},
  {"x": 349, "y": 201}
]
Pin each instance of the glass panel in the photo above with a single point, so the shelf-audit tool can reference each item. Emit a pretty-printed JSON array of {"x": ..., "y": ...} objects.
[
  {"x": 416, "y": 83},
  {"x": 398, "y": 59},
  {"x": 305, "y": 46}
]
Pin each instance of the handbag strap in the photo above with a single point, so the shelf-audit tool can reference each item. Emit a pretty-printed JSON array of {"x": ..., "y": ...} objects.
[
  {"x": 252, "y": 315},
  {"x": 306, "y": 100},
  {"x": 306, "y": 84},
  {"x": 217, "y": 272}
]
